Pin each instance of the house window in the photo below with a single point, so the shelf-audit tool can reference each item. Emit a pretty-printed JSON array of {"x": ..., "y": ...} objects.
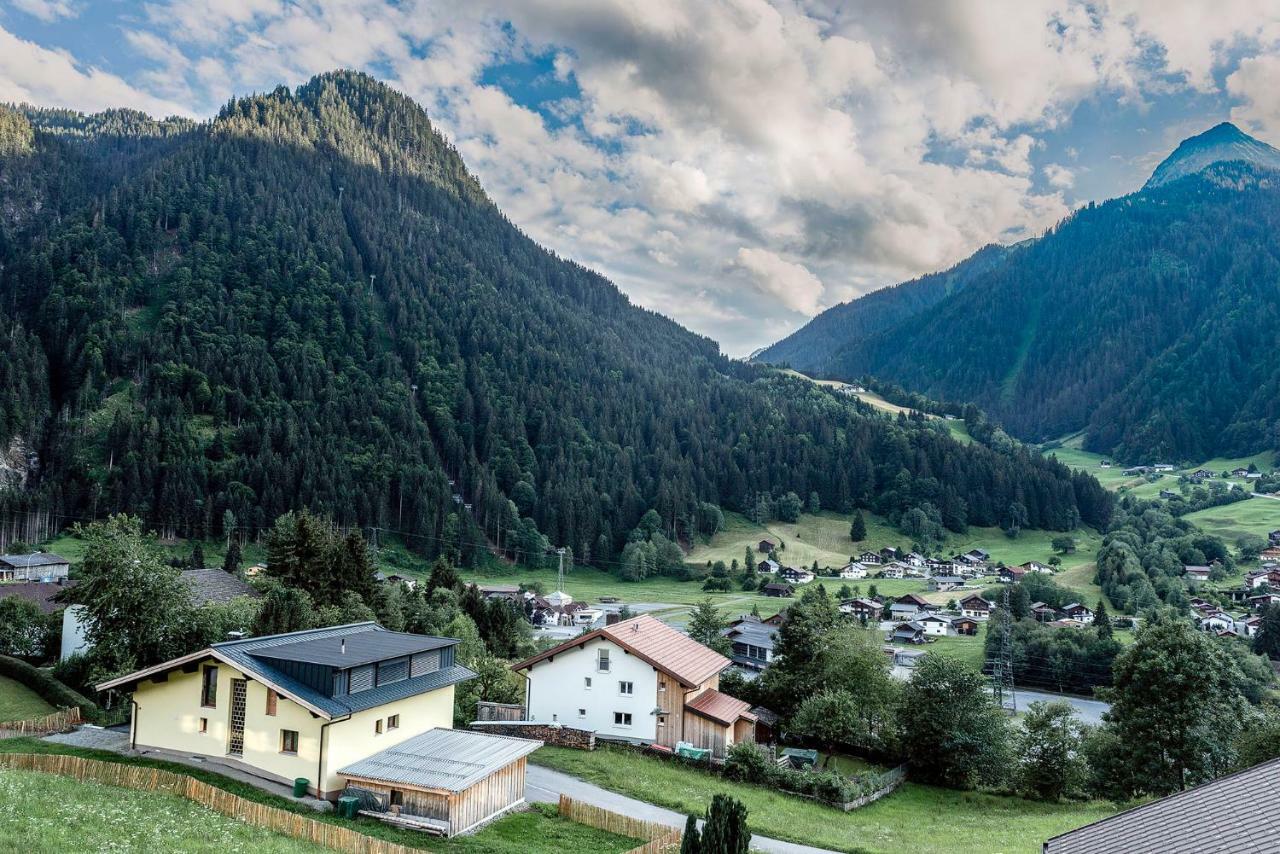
[
  {"x": 622, "y": 719},
  {"x": 586, "y": 682},
  {"x": 209, "y": 687},
  {"x": 662, "y": 720},
  {"x": 582, "y": 713},
  {"x": 289, "y": 741},
  {"x": 393, "y": 671},
  {"x": 626, "y": 688},
  {"x": 397, "y": 798},
  {"x": 602, "y": 661},
  {"x": 271, "y": 702},
  {"x": 393, "y": 722},
  {"x": 377, "y": 727},
  {"x": 361, "y": 679},
  {"x": 204, "y": 724}
]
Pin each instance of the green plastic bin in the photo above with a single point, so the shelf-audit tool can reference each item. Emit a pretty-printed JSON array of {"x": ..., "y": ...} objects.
[
  {"x": 348, "y": 806},
  {"x": 300, "y": 787}
]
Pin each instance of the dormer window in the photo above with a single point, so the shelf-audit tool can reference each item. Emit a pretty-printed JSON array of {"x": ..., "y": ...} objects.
[{"x": 361, "y": 679}]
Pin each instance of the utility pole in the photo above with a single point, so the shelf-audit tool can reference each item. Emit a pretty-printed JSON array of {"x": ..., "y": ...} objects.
[
  {"x": 560, "y": 577},
  {"x": 1002, "y": 688}
]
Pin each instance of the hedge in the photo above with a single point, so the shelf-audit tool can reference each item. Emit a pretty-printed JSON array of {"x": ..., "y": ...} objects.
[
  {"x": 49, "y": 689},
  {"x": 747, "y": 763}
]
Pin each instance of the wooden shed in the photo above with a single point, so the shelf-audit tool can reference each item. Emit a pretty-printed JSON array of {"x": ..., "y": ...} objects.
[{"x": 445, "y": 780}]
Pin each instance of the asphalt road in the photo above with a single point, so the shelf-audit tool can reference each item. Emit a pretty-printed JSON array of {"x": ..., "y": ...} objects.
[{"x": 1089, "y": 711}]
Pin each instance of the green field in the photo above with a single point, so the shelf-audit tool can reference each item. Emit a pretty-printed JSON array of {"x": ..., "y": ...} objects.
[
  {"x": 916, "y": 818},
  {"x": 1231, "y": 521},
  {"x": 59, "y": 814},
  {"x": 20, "y": 703}
]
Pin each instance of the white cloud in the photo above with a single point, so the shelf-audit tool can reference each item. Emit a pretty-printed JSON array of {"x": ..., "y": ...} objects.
[
  {"x": 792, "y": 284},
  {"x": 33, "y": 74},
  {"x": 769, "y": 157},
  {"x": 47, "y": 10}
]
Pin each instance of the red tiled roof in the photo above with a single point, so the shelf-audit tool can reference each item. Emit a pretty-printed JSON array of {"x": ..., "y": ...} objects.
[
  {"x": 719, "y": 707},
  {"x": 653, "y": 641}
]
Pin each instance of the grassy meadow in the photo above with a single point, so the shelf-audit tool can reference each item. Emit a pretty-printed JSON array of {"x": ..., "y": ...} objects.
[
  {"x": 915, "y": 818},
  {"x": 20, "y": 703}
]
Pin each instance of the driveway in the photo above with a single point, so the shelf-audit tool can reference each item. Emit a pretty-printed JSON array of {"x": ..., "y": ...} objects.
[{"x": 544, "y": 785}]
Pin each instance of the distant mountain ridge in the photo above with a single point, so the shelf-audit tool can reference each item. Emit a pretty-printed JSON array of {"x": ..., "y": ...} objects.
[{"x": 1149, "y": 321}]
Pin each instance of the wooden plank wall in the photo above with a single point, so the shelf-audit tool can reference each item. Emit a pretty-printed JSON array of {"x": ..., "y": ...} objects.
[
  {"x": 671, "y": 701},
  {"x": 705, "y": 733},
  {"x": 499, "y": 791}
]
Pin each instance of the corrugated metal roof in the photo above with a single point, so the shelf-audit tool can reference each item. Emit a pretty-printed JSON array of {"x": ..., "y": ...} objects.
[
  {"x": 1235, "y": 813},
  {"x": 448, "y": 759},
  {"x": 32, "y": 560},
  {"x": 720, "y": 707},
  {"x": 359, "y": 648}
]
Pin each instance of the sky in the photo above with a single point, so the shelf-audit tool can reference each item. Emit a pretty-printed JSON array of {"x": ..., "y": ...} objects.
[{"x": 738, "y": 165}]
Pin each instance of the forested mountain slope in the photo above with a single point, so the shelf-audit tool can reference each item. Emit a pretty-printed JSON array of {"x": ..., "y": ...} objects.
[
  {"x": 1149, "y": 321},
  {"x": 309, "y": 301}
]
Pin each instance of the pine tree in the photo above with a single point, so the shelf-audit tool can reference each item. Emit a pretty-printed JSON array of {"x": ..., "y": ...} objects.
[
  {"x": 725, "y": 830},
  {"x": 1101, "y": 621},
  {"x": 691, "y": 842},
  {"x": 1267, "y": 640},
  {"x": 231, "y": 563},
  {"x": 197, "y": 555},
  {"x": 706, "y": 624},
  {"x": 858, "y": 528}
]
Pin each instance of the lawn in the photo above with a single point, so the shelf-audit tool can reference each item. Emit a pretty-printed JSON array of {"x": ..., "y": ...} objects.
[
  {"x": 20, "y": 703},
  {"x": 538, "y": 831},
  {"x": 60, "y": 814},
  {"x": 969, "y": 649},
  {"x": 916, "y": 818},
  {"x": 1232, "y": 521}
]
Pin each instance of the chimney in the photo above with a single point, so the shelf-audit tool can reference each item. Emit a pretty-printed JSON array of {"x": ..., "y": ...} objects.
[{"x": 344, "y": 646}]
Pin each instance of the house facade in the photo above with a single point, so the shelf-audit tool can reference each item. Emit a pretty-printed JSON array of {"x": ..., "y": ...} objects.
[
  {"x": 752, "y": 640},
  {"x": 303, "y": 704},
  {"x": 975, "y": 607},
  {"x": 639, "y": 681}
]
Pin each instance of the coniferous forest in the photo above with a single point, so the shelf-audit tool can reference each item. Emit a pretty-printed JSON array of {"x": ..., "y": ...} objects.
[
  {"x": 308, "y": 302},
  {"x": 1148, "y": 322}
]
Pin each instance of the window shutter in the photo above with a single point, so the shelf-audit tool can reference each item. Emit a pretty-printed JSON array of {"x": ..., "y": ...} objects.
[
  {"x": 361, "y": 679},
  {"x": 424, "y": 663},
  {"x": 396, "y": 670}
]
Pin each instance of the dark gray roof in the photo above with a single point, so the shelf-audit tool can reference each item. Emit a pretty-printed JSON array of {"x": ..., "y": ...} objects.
[
  {"x": 1233, "y": 813},
  {"x": 753, "y": 632},
  {"x": 359, "y": 648},
  {"x": 253, "y": 655},
  {"x": 448, "y": 759},
  {"x": 37, "y": 559},
  {"x": 215, "y": 585},
  {"x": 43, "y": 593}
]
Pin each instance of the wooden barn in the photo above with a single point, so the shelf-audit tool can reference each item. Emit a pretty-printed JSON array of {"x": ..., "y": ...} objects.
[{"x": 445, "y": 781}]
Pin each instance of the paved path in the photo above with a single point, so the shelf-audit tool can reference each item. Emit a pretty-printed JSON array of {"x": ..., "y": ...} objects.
[
  {"x": 1088, "y": 711},
  {"x": 545, "y": 785}
]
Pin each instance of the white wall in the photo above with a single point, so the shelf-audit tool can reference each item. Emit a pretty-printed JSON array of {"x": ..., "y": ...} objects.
[
  {"x": 73, "y": 640},
  {"x": 557, "y": 691}
]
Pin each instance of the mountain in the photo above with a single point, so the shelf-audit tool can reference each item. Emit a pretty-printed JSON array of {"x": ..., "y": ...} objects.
[
  {"x": 1149, "y": 322},
  {"x": 309, "y": 301},
  {"x": 1224, "y": 143}
]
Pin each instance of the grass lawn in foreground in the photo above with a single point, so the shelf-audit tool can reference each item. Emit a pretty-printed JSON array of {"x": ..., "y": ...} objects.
[
  {"x": 20, "y": 703},
  {"x": 59, "y": 814},
  {"x": 537, "y": 831},
  {"x": 916, "y": 818}
]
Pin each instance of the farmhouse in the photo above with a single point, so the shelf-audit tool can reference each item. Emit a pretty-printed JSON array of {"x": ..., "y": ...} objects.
[
  {"x": 795, "y": 576},
  {"x": 975, "y": 607},
  {"x": 37, "y": 566},
  {"x": 870, "y": 558},
  {"x": 766, "y": 546},
  {"x": 853, "y": 569},
  {"x": 770, "y": 566},
  {"x": 752, "y": 640},
  {"x": 906, "y": 607},
  {"x": 892, "y": 570},
  {"x": 1011, "y": 574},
  {"x": 444, "y": 780},
  {"x": 1043, "y": 612},
  {"x": 1076, "y": 611},
  {"x": 908, "y": 632},
  {"x": 778, "y": 590},
  {"x": 943, "y": 583},
  {"x": 639, "y": 681},
  {"x": 1196, "y": 573},
  {"x": 1035, "y": 566},
  {"x": 298, "y": 705},
  {"x": 863, "y": 609}
]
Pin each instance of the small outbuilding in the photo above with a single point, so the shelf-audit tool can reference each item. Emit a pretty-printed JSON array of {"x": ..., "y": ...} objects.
[{"x": 446, "y": 781}]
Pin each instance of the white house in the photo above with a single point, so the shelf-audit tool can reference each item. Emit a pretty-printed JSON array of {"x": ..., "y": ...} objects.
[
  {"x": 892, "y": 570},
  {"x": 1217, "y": 622},
  {"x": 853, "y": 569},
  {"x": 935, "y": 625},
  {"x": 639, "y": 681}
]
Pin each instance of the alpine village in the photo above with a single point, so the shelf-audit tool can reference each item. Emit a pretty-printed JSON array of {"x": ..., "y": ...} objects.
[{"x": 340, "y": 513}]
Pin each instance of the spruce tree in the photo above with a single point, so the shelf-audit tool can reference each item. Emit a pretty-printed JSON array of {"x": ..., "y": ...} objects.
[
  {"x": 231, "y": 563},
  {"x": 1101, "y": 621},
  {"x": 725, "y": 830},
  {"x": 691, "y": 841},
  {"x": 858, "y": 528},
  {"x": 1267, "y": 640}
]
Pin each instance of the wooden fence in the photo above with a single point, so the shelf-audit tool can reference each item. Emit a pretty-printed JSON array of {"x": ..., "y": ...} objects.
[
  {"x": 486, "y": 711},
  {"x": 60, "y": 721},
  {"x": 659, "y": 838},
  {"x": 146, "y": 779}
]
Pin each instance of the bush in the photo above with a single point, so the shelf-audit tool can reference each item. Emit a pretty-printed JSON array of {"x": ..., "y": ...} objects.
[
  {"x": 49, "y": 689},
  {"x": 748, "y": 763}
]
